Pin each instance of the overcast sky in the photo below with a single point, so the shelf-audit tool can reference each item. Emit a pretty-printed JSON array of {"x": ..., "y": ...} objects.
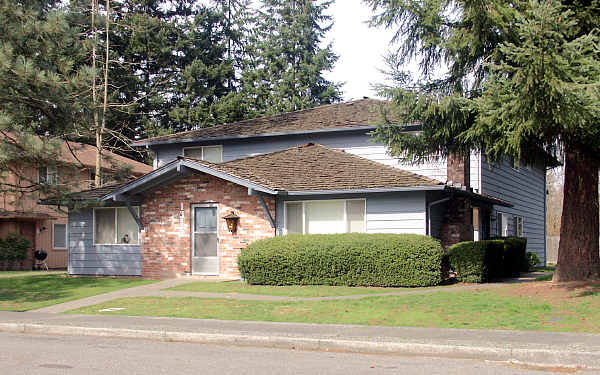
[{"x": 359, "y": 47}]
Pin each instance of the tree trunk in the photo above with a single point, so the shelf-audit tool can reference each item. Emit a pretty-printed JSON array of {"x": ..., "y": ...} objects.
[{"x": 578, "y": 253}]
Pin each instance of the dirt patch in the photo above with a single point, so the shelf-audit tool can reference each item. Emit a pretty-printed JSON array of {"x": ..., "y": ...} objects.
[{"x": 550, "y": 292}]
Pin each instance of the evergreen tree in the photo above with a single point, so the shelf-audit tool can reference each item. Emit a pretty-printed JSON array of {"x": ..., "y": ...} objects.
[
  {"x": 285, "y": 72},
  {"x": 43, "y": 88},
  {"x": 522, "y": 80}
]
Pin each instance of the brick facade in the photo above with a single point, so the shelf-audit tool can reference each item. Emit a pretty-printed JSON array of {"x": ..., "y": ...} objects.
[
  {"x": 458, "y": 169},
  {"x": 166, "y": 238},
  {"x": 458, "y": 222},
  {"x": 458, "y": 219}
]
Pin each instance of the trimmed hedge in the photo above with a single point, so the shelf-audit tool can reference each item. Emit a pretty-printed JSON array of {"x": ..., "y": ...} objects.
[
  {"x": 352, "y": 259},
  {"x": 479, "y": 262},
  {"x": 13, "y": 249}
]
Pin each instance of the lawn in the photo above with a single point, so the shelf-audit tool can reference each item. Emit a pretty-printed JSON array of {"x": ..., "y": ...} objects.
[
  {"x": 520, "y": 307},
  {"x": 287, "y": 291},
  {"x": 37, "y": 291}
]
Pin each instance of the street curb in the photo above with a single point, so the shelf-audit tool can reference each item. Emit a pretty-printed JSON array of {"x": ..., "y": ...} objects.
[{"x": 539, "y": 357}]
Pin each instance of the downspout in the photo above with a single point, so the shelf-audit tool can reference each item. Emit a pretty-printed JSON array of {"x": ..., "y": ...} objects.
[{"x": 429, "y": 205}]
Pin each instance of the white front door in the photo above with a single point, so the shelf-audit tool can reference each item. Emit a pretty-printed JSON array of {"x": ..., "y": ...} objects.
[{"x": 205, "y": 241}]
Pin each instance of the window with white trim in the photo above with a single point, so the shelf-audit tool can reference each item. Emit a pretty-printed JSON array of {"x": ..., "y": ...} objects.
[
  {"x": 114, "y": 226},
  {"x": 59, "y": 236},
  {"x": 502, "y": 224},
  {"x": 518, "y": 226},
  {"x": 325, "y": 216},
  {"x": 47, "y": 175},
  {"x": 212, "y": 154}
]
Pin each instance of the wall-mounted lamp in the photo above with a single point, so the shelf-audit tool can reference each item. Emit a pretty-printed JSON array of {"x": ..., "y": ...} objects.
[{"x": 232, "y": 221}]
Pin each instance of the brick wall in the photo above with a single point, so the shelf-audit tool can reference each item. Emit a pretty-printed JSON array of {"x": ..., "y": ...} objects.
[
  {"x": 458, "y": 222},
  {"x": 166, "y": 238},
  {"x": 459, "y": 169}
]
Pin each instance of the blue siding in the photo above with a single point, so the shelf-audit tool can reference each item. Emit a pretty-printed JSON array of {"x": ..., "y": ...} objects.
[
  {"x": 355, "y": 142},
  {"x": 525, "y": 188},
  {"x": 386, "y": 213},
  {"x": 85, "y": 258}
]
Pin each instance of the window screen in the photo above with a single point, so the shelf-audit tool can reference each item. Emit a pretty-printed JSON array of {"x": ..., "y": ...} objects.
[
  {"x": 60, "y": 236},
  {"x": 194, "y": 153},
  {"x": 325, "y": 217},
  {"x": 294, "y": 218},
  {"x": 213, "y": 154},
  {"x": 105, "y": 226},
  {"x": 355, "y": 211},
  {"x": 127, "y": 228}
]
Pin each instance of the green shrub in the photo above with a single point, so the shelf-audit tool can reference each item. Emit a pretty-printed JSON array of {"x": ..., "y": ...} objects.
[
  {"x": 482, "y": 261},
  {"x": 531, "y": 260},
  {"x": 477, "y": 262},
  {"x": 353, "y": 259},
  {"x": 13, "y": 249}
]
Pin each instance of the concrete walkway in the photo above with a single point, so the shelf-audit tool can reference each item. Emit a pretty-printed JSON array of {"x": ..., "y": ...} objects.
[
  {"x": 30, "y": 273},
  {"x": 158, "y": 290},
  {"x": 542, "y": 348}
]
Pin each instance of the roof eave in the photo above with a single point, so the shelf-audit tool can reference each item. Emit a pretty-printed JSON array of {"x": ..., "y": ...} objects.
[{"x": 250, "y": 136}]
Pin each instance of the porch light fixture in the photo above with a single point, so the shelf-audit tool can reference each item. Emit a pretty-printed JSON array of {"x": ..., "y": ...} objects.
[{"x": 232, "y": 221}]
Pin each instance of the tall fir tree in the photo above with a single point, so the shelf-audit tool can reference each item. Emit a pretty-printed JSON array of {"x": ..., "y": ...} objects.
[
  {"x": 285, "y": 72},
  {"x": 521, "y": 80}
]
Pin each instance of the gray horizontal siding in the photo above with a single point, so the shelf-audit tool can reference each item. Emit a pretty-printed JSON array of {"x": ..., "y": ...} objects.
[
  {"x": 386, "y": 213},
  {"x": 525, "y": 188},
  {"x": 354, "y": 142},
  {"x": 85, "y": 258}
]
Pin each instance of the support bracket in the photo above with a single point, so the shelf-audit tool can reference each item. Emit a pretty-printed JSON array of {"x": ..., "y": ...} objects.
[{"x": 135, "y": 215}]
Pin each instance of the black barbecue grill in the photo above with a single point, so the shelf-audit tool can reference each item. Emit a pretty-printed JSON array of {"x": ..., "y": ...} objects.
[{"x": 40, "y": 259}]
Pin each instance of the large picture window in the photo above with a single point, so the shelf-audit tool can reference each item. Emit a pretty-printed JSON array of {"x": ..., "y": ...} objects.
[
  {"x": 325, "y": 217},
  {"x": 115, "y": 226}
]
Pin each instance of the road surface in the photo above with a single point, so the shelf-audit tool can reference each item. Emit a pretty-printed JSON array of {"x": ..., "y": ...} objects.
[{"x": 40, "y": 354}]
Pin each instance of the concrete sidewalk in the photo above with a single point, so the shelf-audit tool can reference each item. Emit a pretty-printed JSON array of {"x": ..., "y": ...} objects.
[{"x": 542, "y": 348}]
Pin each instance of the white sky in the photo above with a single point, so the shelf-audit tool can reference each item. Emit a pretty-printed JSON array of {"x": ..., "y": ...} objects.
[{"x": 359, "y": 47}]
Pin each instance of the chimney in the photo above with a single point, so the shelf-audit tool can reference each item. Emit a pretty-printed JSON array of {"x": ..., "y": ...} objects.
[{"x": 458, "y": 170}]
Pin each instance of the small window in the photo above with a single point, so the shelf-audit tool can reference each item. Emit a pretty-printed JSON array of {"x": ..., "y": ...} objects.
[
  {"x": 59, "y": 236},
  {"x": 518, "y": 226},
  {"x": 502, "y": 222},
  {"x": 47, "y": 175},
  {"x": 115, "y": 226},
  {"x": 325, "y": 217},
  {"x": 213, "y": 154}
]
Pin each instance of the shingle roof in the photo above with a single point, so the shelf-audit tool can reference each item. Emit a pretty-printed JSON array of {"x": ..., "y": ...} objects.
[
  {"x": 352, "y": 114},
  {"x": 314, "y": 167}
]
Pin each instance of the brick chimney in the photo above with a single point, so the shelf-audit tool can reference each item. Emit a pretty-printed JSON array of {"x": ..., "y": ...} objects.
[
  {"x": 458, "y": 220},
  {"x": 458, "y": 169}
]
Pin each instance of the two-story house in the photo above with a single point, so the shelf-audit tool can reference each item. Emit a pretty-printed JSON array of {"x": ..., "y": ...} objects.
[
  {"x": 46, "y": 227},
  {"x": 311, "y": 171}
]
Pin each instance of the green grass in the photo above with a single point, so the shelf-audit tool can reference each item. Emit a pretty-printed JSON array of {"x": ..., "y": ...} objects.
[
  {"x": 473, "y": 309},
  {"x": 544, "y": 278},
  {"x": 287, "y": 291},
  {"x": 34, "y": 292}
]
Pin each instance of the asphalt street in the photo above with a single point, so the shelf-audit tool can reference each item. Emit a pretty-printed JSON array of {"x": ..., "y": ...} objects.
[{"x": 40, "y": 354}]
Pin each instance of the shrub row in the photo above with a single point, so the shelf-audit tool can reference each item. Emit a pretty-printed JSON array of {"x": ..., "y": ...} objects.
[
  {"x": 13, "y": 249},
  {"x": 353, "y": 259},
  {"x": 485, "y": 260}
]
